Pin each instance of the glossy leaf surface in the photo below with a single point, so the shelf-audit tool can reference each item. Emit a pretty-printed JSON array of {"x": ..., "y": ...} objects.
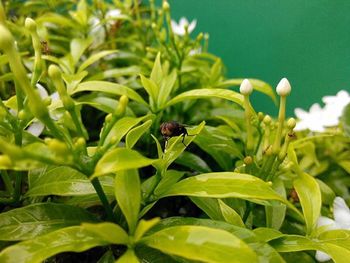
[
  {"x": 201, "y": 243},
  {"x": 38, "y": 219},
  {"x": 121, "y": 159},
  {"x": 128, "y": 195}
]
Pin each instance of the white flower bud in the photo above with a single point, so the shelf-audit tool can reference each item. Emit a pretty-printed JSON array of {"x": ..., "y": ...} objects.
[
  {"x": 283, "y": 88},
  {"x": 246, "y": 87}
]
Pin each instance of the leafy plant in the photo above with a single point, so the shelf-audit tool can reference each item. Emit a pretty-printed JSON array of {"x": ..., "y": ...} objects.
[{"x": 83, "y": 168}]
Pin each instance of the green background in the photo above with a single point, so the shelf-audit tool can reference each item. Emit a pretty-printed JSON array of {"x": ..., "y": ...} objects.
[{"x": 307, "y": 41}]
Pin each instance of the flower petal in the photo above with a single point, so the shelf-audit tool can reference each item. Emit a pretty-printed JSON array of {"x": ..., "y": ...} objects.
[
  {"x": 321, "y": 256},
  {"x": 36, "y": 128},
  {"x": 341, "y": 212}
]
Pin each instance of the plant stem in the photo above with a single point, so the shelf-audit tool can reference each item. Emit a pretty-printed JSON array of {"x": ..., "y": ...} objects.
[{"x": 103, "y": 198}]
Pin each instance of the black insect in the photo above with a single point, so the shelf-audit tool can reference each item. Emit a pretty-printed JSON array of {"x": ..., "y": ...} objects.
[{"x": 171, "y": 129}]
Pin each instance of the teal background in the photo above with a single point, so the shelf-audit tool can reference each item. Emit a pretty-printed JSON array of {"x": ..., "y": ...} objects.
[{"x": 307, "y": 41}]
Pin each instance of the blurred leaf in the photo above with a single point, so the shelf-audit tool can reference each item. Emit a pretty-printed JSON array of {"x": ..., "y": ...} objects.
[
  {"x": 166, "y": 87},
  {"x": 151, "y": 88},
  {"x": 78, "y": 47},
  {"x": 210, "y": 206},
  {"x": 116, "y": 73},
  {"x": 63, "y": 181},
  {"x": 72, "y": 239},
  {"x": 151, "y": 255},
  {"x": 38, "y": 219},
  {"x": 110, "y": 88},
  {"x": 310, "y": 199},
  {"x": 345, "y": 164},
  {"x": 327, "y": 193},
  {"x": 135, "y": 134},
  {"x": 128, "y": 257},
  {"x": 258, "y": 85},
  {"x": 120, "y": 159},
  {"x": 194, "y": 162},
  {"x": 128, "y": 195},
  {"x": 345, "y": 120},
  {"x": 157, "y": 72},
  {"x": 95, "y": 57},
  {"x": 206, "y": 93},
  {"x": 201, "y": 243}
]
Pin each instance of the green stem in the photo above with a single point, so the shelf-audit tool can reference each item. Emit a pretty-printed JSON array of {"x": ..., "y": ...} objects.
[
  {"x": 7, "y": 181},
  {"x": 103, "y": 198}
]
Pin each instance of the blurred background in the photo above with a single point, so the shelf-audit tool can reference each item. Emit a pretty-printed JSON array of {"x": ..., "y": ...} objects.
[{"x": 307, "y": 41}]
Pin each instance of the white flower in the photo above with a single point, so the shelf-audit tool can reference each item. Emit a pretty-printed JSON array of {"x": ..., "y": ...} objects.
[
  {"x": 37, "y": 127},
  {"x": 196, "y": 51},
  {"x": 341, "y": 214},
  {"x": 180, "y": 28},
  {"x": 312, "y": 120},
  {"x": 334, "y": 105},
  {"x": 97, "y": 32},
  {"x": 318, "y": 119}
]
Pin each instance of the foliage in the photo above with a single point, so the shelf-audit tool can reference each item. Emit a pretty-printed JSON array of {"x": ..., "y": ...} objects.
[{"x": 84, "y": 89}]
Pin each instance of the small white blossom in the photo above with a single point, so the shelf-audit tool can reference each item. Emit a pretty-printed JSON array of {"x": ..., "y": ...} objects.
[
  {"x": 37, "y": 127},
  {"x": 246, "y": 87},
  {"x": 318, "y": 119},
  {"x": 180, "y": 28},
  {"x": 312, "y": 120},
  {"x": 283, "y": 87},
  {"x": 341, "y": 214}
]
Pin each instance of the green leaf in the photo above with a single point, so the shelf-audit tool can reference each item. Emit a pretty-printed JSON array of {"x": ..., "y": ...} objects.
[
  {"x": 275, "y": 214},
  {"x": 128, "y": 257},
  {"x": 128, "y": 195},
  {"x": 151, "y": 88},
  {"x": 159, "y": 147},
  {"x": 107, "y": 257},
  {"x": 157, "y": 72},
  {"x": 144, "y": 226},
  {"x": 170, "y": 177},
  {"x": 223, "y": 185},
  {"x": 166, "y": 87},
  {"x": 116, "y": 73},
  {"x": 210, "y": 206},
  {"x": 120, "y": 159},
  {"x": 258, "y": 85},
  {"x": 194, "y": 162},
  {"x": 73, "y": 239},
  {"x": 310, "y": 199},
  {"x": 135, "y": 134},
  {"x": 64, "y": 181},
  {"x": 205, "y": 94},
  {"x": 38, "y": 219},
  {"x": 122, "y": 127},
  {"x": 148, "y": 254},
  {"x": 201, "y": 243},
  {"x": 345, "y": 120},
  {"x": 265, "y": 252},
  {"x": 291, "y": 243},
  {"x": 78, "y": 47},
  {"x": 220, "y": 146},
  {"x": 175, "y": 148},
  {"x": 345, "y": 164},
  {"x": 230, "y": 215},
  {"x": 110, "y": 88},
  {"x": 95, "y": 57},
  {"x": 110, "y": 232}
]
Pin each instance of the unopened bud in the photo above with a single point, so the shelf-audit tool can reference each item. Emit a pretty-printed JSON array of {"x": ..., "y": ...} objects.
[
  {"x": 283, "y": 88},
  {"x": 30, "y": 24},
  {"x": 267, "y": 120},
  {"x": 166, "y": 6},
  {"x": 248, "y": 160},
  {"x": 108, "y": 117},
  {"x": 260, "y": 116},
  {"x": 291, "y": 123},
  {"x": 246, "y": 87}
]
